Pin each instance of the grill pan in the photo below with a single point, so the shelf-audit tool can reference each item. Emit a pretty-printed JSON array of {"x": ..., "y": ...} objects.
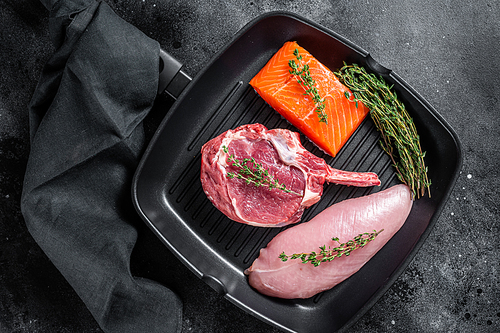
[{"x": 167, "y": 192}]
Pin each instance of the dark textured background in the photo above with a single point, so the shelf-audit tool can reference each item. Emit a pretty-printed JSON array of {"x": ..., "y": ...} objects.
[{"x": 446, "y": 50}]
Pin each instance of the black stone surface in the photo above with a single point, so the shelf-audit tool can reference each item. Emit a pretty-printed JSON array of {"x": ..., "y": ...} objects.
[{"x": 446, "y": 50}]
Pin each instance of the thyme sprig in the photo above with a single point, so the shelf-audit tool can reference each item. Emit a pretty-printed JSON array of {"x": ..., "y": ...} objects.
[
  {"x": 399, "y": 138},
  {"x": 304, "y": 78},
  {"x": 326, "y": 255},
  {"x": 254, "y": 173}
]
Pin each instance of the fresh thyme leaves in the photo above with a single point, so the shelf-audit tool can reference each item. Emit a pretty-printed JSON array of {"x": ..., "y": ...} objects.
[
  {"x": 325, "y": 255},
  {"x": 254, "y": 173},
  {"x": 399, "y": 135},
  {"x": 304, "y": 78}
]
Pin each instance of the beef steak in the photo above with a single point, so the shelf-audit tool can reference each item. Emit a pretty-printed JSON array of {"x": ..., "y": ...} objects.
[{"x": 280, "y": 152}]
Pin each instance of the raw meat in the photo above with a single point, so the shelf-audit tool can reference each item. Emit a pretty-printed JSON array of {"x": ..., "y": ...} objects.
[
  {"x": 283, "y": 93},
  {"x": 386, "y": 210},
  {"x": 282, "y": 154}
]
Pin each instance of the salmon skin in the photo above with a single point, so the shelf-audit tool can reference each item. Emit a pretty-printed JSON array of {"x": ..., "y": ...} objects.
[
  {"x": 386, "y": 210},
  {"x": 281, "y": 90}
]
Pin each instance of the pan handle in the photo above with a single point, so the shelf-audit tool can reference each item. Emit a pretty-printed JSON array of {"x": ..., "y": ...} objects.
[{"x": 173, "y": 79}]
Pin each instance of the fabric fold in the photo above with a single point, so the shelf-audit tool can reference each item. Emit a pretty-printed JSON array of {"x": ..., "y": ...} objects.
[{"x": 86, "y": 131}]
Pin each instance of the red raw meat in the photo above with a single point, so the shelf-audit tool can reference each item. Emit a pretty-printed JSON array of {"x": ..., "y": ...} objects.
[{"x": 281, "y": 153}]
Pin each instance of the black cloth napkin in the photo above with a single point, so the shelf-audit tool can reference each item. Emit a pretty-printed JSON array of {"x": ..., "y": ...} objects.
[{"x": 86, "y": 131}]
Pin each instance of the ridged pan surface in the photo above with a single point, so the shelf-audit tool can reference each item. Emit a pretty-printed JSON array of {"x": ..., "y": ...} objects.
[{"x": 168, "y": 195}]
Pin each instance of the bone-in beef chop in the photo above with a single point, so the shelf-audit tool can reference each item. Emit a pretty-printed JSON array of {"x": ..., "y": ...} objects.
[{"x": 280, "y": 152}]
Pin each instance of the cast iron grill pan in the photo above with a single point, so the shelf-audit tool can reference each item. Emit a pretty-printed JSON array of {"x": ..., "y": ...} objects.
[{"x": 168, "y": 195}]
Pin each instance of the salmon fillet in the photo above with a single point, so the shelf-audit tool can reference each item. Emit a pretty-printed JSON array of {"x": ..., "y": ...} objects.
[
  {"x": 280, "y": 89},
  {"x": 385, "y": 210}
]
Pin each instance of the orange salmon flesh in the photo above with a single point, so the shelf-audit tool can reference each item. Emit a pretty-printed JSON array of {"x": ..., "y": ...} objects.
[{"x": 280, "y": 89}]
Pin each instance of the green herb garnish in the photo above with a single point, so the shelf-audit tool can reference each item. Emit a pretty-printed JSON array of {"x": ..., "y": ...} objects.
[
  {"x": 304, "y": 78},
  {"x": 399, "y": 135},
  {"x": 329, "y": 254},
  {"x": 254, "y": 173}
]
